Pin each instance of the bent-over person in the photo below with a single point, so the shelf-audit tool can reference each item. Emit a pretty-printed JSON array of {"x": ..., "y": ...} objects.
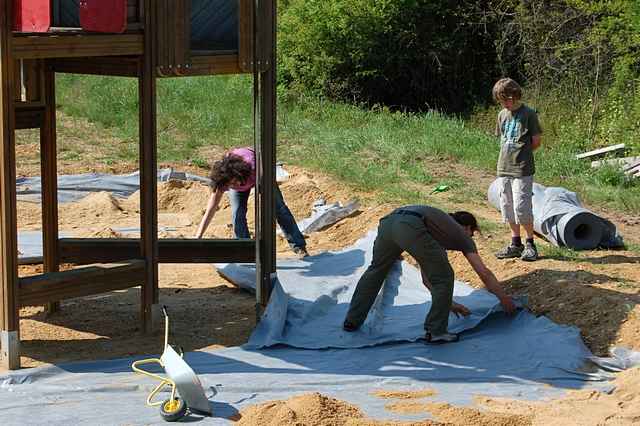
[{"x": 425, "y": 233}]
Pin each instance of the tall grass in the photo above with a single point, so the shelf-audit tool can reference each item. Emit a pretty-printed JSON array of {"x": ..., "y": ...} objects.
[{"x": 373, "y": 149}]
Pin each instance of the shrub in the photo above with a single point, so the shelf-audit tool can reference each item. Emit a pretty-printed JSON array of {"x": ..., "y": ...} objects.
[{"x": 416, "y": 54}]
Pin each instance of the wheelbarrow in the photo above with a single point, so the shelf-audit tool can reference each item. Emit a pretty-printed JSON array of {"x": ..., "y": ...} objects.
[{"x": 186, "y": 390}]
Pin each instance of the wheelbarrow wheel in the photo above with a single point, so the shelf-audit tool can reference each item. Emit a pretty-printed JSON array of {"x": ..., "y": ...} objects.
[{"x": 173, "y": 410}]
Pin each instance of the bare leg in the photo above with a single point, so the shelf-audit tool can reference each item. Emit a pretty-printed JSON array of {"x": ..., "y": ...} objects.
[
  {"x": 515, "y": 229},
  {"x": 528, "y": 229}
]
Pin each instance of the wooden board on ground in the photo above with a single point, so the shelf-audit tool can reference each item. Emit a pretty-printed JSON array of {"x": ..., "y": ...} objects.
[
  {"x": 622, "y": 162},
  {"x": 602, "y": 151}
]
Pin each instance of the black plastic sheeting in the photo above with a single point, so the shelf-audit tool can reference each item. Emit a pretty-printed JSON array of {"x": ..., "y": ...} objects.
[{"x": 560, "y": 217}]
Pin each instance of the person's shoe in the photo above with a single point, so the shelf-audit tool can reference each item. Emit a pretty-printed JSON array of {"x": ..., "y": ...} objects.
[
  {"x": 530, "y": 253},
  {"x": 301, "y": 252},
  {"x": 438, "y": 339},
  {"x": 510, "y": 252},
  {"x": 350, "y": 327}
]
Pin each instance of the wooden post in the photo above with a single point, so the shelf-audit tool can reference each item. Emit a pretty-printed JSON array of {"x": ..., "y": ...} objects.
[
  {"x": 49, "y": 176},
  {"x": 265, "y": 90},
  {"x": 9, "y": 315},
  {"x": 148, "y": 171}
]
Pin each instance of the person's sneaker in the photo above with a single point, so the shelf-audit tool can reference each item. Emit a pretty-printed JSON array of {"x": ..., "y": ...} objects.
[
  {"x": 350, "y": 327},
  {"x": 530, "y": 253},
  {"x": 301, "y": 252},
  {"x": 510, "y": 252},
  {"x": 438, "y": 339}
]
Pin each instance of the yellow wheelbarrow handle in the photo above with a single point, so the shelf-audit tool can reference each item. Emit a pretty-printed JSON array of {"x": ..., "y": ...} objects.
[{"x": 164, "y": 381}]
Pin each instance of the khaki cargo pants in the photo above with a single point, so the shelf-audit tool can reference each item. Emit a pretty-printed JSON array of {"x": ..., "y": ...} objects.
[{"x": 398, "y": 233}]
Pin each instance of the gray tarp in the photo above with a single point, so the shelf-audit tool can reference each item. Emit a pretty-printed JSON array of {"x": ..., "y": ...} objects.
[
  {"x": 561, "y": 218},
  {"x": 75, "y": 187},
  {"x": 517, "y": 357}
]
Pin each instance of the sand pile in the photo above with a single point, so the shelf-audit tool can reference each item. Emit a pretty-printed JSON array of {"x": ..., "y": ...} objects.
[
  {"x": 105, "y": 232},
  {"x": 423, "y": 393},
  {"x": 408, "y": 404},
  {"x": 181, "y": 196},
  {"x": 98, "y": 204},
  {"x": 470, "y": 416},
  {"x": 311, "y": 409},
  {"x": 585, "y": 407}
]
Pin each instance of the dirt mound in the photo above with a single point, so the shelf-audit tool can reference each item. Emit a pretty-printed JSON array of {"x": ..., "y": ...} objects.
[
  {"x": 106, "y": 232},
  {"x": 309, "y": 410},
  {"x": 99, "y": 202},
  {"x": 585, "y": 407},
  {"x": 178, "y": 196},
  {"x": 471, "y": 416},
  {"x": 424, "y": 393}
]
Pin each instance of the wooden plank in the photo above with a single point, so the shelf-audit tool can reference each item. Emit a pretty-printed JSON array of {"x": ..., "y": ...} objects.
[
  {"x": 245, "y": 35},
  {"x": 49, "y": 178},
  {"x": 17, "y": 83},
  {"x": 148, "y": 171},
  {"x": 601, "y": 151},
  {"x": 133, "y": 13},
  {"x": 29, "y": 117},
  {"x": 622, "y": 162},
  {"x": 83, "y": 251},
  {"x": 76, "y": 45},
  {"x": 159, "y": 33},
  {"x": 211, "y": 65},
  {"x": 206, "y": 250},
  {"x": 9, "y": 320},
  {"x": 632, "y": 166},
  {"x": 265, "y": 89},
  {"x": 182, "y": 36},
  {"x": 54, "y": 286},
  {"x": 634, "y": 170},
  {"x": 33, "y": 79},
  {"x": 111, "y": 65}
]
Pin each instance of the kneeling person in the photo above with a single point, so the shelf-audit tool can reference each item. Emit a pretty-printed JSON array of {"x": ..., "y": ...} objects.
[{"x": 425, "y": 233}]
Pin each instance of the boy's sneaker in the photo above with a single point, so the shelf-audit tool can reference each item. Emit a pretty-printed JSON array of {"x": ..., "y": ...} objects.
[
  {"x": 438, "y": 339},
  {"x": 301, "y": 252},
  {"x": 530, "y": 253},
  {"x": 510, "y": 252},
  {"x": 350, "y": 327}
]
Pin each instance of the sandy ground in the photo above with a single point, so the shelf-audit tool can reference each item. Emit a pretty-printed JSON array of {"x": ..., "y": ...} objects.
[{"x": 597, "y": 291}]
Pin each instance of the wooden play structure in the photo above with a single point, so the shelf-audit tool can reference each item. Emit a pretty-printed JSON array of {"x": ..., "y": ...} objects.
[{"x": 146, "y": 40}]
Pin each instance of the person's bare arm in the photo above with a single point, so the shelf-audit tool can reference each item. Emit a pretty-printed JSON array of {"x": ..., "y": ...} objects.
[
  {"x": 490, "y": 281},
  {"x": 536, "y": 141},
  {"x": 212, "y": 208}
]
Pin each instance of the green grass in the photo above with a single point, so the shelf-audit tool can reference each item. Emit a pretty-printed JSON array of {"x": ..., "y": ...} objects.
[
  {"x": 559, "y": 253},
  {"x": 392, "y": 153}
]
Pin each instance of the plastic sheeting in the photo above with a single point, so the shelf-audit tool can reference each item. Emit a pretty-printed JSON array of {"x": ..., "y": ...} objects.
[
  {"x": 561, "y": 218},
  {"x": 523, "y": 356},
  {"x": 324, "y": 215},
  {"x": 75, "y": 187},
  {"x": 314, "y": 294}
]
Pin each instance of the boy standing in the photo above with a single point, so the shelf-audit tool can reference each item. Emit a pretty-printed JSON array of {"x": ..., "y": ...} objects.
[{"x": 519, "y": 131}]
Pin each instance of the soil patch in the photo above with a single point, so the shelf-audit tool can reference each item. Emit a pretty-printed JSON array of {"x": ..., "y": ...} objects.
[
  {"x": 586, "y": 407},
  {"x": 597, "y": 291}
]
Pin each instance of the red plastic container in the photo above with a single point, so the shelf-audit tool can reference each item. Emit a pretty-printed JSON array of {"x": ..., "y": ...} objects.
[
  {"x": 32, "y": 16},
  {"x": 104, "y": 16}
]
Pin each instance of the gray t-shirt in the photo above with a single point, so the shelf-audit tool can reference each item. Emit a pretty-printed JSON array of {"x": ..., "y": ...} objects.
[
  {"x": 515, "y": 130},
  {"x": 444, "y": 229}
]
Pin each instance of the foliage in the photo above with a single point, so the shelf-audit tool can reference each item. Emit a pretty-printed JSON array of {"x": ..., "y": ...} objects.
[{"x": 416, "y": 54}]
